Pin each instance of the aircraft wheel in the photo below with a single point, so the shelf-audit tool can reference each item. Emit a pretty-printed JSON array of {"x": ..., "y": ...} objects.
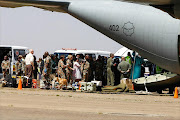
[{"x": 159, "y": 91}]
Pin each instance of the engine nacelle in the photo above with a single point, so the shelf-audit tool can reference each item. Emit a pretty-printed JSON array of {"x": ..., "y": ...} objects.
[{"x": 147, "y": 30}]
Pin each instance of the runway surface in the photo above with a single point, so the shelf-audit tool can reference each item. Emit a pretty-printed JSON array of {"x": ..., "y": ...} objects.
[{"x": 36, "y": 104}]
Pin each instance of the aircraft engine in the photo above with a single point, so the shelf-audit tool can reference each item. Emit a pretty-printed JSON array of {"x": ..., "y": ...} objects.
[{"x": 151, "y": 32}]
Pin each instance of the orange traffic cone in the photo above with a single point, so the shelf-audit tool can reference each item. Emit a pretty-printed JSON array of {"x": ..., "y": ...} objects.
[
  {"x": 20, "y": 85},
  {"x": 79, "y": 86},
  {"x": 176, "y": 93},
  {"x": 34, "y": 83},
  {"x": 133, "y": 86}
]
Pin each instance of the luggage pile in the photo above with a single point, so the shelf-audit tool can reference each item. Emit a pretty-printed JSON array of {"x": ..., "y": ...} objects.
[{"x": 125, "y": 86}]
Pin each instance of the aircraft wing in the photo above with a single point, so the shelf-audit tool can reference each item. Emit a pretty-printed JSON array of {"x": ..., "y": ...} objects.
[
  {"x": 155, "y": 2},
  {"x": 51, "y": 5},
  {"x": 170, "y": 6}
]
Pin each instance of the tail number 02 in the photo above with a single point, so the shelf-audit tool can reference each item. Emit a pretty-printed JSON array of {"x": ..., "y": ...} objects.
[{"x": 114, "y": 27}]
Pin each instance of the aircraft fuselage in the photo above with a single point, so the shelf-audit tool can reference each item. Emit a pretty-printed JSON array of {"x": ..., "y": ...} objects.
[{"x": 147, "y": 30}]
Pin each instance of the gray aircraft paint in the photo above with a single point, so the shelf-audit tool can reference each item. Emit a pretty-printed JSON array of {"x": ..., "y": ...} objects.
[
  {"x": 153, "y": 33},
  {"x": 147, "y": 30}
]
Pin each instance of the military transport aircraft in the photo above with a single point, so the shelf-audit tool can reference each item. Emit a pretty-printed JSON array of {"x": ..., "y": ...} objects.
[{"x": 150, "y": 27}]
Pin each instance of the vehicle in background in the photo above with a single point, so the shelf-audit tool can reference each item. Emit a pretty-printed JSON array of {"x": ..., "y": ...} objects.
[
  {"x": 12, "y": 52},
  {"x": 93, "y": 53}
]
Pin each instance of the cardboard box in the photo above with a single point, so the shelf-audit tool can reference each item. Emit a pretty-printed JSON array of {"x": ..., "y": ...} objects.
[
  {"x": 126, "y": 81},
  {"x": 130, "y": 86}
]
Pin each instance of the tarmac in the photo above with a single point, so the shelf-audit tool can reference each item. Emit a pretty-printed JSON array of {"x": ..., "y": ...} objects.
[{"x": 37, "y": 104}]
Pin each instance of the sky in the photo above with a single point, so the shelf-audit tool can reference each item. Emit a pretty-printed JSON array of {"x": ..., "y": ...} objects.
[{"x": 44, "y": 30}]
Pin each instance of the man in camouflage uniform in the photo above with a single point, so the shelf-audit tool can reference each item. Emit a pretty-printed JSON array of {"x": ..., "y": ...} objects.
[
  {"x": 23, "y": 64},
  {"x": 18, "y": 66},
  {"x": 47, "y": 67},
  {"x": 61, "y": 68},
  {"x": 5, "y": 66},
  {"x": 92, "y": 62},
  {"x": 104, "y": 80},
  {"x": 99, "y": 69},
  {"x": 110, "y": 74},
  {"x": 69, "y": 68},
  {"x": 85, "y": 69}
]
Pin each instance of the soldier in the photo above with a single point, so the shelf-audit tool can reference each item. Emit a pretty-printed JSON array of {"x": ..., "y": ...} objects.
[
  {"x": 61, "y": 67},
  {"x": 124, "y": 68},
  {"x": 99, "y": 69},
  {"x": 23, "y": 64},
  {"x": 104, "y": 80},
  {"x": 18, "y": 66},
  {"x": 85, "y": 69},
  {"x": 110, "y": 74},
  {"x": 69, "y": 68},
  {"x": 45, "y": 73},
  {"x": 92, "y": 67},
  {"x": 53, "y": 64},
  {"x": 47, "y": 66},
  {"x": 116, "y": 71},
  {"x": 5, "y": 66},
  {"x": 47, "y": 70},
  {"x": 56, "y": 59}
]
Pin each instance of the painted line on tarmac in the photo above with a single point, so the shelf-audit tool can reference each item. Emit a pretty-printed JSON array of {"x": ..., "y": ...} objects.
[{"x": 136, "y": 114}]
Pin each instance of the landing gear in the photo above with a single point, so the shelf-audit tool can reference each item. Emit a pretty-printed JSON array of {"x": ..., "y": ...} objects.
[
  {"x": 159, "y": 91},
  {"x": 171, "y": 90}
]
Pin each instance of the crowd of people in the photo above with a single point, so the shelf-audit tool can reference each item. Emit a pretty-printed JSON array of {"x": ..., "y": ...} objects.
[
  {"x": 77, "y": 68},
  {"x": 73, "y": 68}
]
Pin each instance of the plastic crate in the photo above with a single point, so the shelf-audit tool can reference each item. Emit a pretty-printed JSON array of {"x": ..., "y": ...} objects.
[
  {"x": 91, "y": 87},
  {"x": 83, "y": 86}
]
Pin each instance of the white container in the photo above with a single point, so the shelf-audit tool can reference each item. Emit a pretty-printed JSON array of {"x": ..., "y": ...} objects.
[
  {"x": 83, "y": 86},
  {"x": 54, "y": 84},
  {"x": 42, "y": 85},
  {"x": 91, "y": 87},
  {"x": 98, "y": 83}
]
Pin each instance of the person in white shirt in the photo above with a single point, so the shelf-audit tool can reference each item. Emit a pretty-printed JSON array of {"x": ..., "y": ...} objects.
[
  {"x": 29, "y": 60},
  {"x": 77, "y": 71}
]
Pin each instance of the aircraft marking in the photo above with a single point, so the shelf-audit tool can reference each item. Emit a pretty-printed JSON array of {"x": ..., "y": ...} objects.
[
  {"x": 114, "y": 27},
  {"x": 128, "y": 29}
]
